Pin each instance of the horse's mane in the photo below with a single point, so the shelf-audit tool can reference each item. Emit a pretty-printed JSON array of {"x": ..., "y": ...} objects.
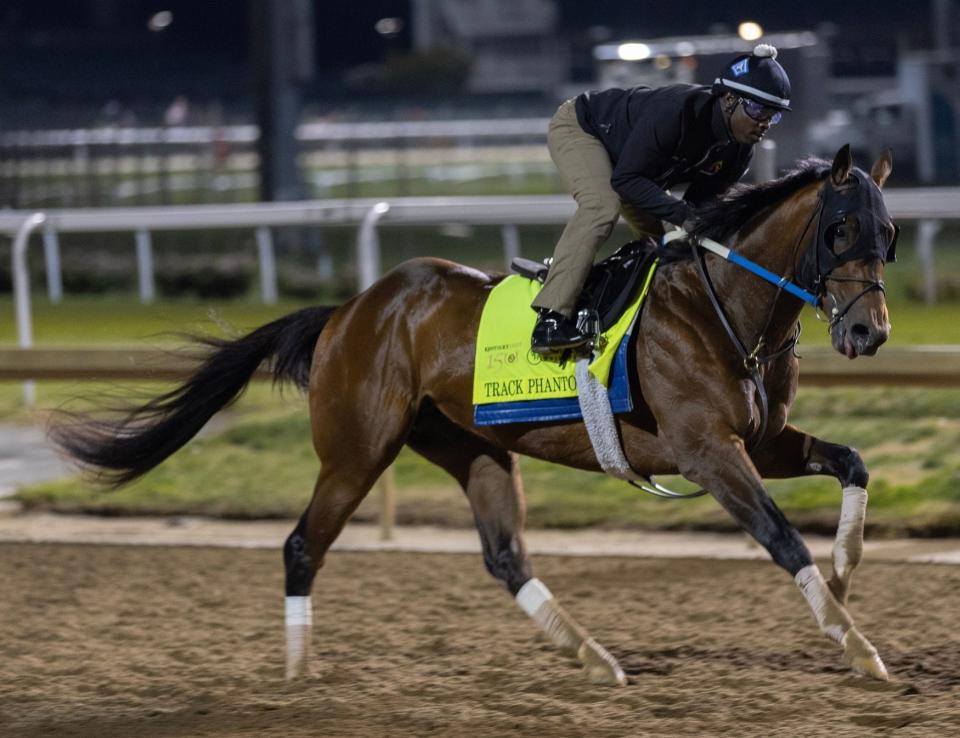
[{"x": 726, "y": 215}]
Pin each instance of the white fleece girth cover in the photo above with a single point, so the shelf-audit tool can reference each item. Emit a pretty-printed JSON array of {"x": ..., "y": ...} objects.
[{"x": 598, "y": 417}]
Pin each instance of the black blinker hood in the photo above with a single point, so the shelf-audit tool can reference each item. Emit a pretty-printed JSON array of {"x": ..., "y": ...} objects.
[{"x": 858, "y": 196}]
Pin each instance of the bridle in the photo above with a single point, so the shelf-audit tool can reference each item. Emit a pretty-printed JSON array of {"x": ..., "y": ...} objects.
[
  {"x": 833, "y": 209},
  {"x": 813, "y": 268}
]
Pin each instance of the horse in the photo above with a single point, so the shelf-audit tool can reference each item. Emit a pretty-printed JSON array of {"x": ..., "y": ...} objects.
[{"x": 393, "y": 366}]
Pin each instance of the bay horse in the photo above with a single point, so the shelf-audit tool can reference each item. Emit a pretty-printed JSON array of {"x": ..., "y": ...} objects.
[{"x": 394, "y": 366}]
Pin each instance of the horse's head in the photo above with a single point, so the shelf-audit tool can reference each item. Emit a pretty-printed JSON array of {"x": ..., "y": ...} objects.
[{"x": 844, "y": 266}]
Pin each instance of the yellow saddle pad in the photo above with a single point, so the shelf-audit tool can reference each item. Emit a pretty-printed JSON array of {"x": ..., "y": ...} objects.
[{"x": 506, "y": 370}]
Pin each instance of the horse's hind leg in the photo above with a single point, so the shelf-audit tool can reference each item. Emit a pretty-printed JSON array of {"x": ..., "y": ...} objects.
[
  {"x": 352, "y": 457},
  {"x": 491, "y": 479},
  {"x": 336, "y": 495},
  {"x": 794, "y": 453}
]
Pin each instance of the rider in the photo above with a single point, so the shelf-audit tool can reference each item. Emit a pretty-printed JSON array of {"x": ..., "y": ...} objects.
[{"x": 618, "y": 151}]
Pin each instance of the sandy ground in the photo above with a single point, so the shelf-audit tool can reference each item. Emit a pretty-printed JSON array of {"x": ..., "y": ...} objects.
[{"x": 107, "y": 641}]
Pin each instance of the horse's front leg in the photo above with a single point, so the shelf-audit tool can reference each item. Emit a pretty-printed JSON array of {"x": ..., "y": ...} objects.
[
  {"x": 794, "y": 453},
  {"x": 714, "y": 457}
]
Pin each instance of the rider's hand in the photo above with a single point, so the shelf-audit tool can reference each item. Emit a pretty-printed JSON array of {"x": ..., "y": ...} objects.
[{"x": 675, "y": 238}]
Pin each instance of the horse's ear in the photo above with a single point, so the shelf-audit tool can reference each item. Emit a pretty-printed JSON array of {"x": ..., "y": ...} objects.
[
  {"x": 882, "y": 168},
  {"x": 842, "y": 164}
]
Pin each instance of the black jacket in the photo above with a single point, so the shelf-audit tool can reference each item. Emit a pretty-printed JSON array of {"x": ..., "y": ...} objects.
[{"x": 658, "y": 138}]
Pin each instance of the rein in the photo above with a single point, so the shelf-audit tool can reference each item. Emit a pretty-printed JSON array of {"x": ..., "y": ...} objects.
[{"x": 753, "y": 361}]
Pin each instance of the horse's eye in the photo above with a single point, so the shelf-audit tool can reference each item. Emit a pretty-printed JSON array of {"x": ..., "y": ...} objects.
[
  {"x": 834, "y": 238},
  {"x": 841, "y": 236}
]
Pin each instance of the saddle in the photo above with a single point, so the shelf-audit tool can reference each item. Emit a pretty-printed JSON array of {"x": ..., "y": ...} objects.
[{"x": 610, "y": 286}]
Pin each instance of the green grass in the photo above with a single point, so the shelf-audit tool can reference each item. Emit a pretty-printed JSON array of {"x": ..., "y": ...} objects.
[
  {"x": 263, "y": 465},
  {"x": 120, "y": 319}
]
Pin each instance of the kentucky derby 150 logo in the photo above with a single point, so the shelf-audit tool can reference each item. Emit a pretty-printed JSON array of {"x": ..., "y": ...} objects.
[{"x": 499, "y": 359}]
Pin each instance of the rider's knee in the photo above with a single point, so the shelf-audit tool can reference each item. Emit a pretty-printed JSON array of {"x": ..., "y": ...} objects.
[{"x": 602, "y": 213}]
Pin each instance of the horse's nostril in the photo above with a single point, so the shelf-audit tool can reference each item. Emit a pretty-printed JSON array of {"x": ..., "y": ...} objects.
[{"x": 860, "y": 330}]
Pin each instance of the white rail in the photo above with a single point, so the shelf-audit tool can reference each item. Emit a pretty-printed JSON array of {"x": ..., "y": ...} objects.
[
  {"x": 323, "y": 133},
  {"x": 938, "y": 203},
  {"x": 928, "y": 205}
]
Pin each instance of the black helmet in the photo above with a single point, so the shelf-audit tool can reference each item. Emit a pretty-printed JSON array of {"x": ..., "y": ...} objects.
[{"x": 758, "y": 76}]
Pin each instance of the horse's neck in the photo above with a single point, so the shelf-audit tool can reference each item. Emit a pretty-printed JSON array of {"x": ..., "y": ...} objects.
[{"x": 775, "y": 244}]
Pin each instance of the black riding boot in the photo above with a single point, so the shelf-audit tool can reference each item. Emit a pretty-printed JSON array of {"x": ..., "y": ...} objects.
[{"x": 555, "y": 332}]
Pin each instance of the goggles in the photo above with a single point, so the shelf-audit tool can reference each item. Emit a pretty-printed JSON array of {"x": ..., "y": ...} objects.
[{"x": 760, "y": 112}]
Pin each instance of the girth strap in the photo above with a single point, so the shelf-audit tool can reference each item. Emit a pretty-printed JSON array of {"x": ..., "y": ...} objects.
[{"x": 598, "y": 417}]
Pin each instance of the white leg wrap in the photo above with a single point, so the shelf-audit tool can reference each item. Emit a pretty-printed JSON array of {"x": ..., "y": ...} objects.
[
  {"x": 532, "y": 595},
  {"x": 298, "y": 616},
  {"x": 831, "y": 617},
  {"x": 835, "y": 622},
  {"x": 848, "y": 547},
  {"x": 537, "y": 601}
]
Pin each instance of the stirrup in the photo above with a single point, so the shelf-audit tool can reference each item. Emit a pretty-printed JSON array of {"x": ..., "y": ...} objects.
[
  {"x": 658, "y": 490},
  {"x": 546, "y": 350}
]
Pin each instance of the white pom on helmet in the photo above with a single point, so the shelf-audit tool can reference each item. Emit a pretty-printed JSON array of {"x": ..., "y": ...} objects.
[{"x": 765, "y": 50}]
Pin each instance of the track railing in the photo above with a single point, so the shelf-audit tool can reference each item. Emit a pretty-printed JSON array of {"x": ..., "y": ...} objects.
[{"x": 929, "y": 206}]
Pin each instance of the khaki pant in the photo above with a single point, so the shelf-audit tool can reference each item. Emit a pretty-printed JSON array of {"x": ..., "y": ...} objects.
[{"x": 585, "y": 170}]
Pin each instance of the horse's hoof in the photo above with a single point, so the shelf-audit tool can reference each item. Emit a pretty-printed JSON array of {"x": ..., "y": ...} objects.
[
  {"x": 296, "y": 666},
  {"x": 600, "y": 666},
  {"x": 862, "y": 656},
  {"x": 295, "y": 669}
]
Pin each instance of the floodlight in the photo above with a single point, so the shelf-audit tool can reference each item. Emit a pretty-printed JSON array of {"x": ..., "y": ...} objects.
[
  {"x": 160, "y": 21},
  {"x": 749, "y": 31},
  {"x": 633, "y": 51}
]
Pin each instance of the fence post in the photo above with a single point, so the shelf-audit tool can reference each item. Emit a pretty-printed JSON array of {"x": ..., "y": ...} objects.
[
  {"x": 368, "y": 246},
  {"x": 51, "y": 256},
  {"x": 368, "y": 270},
  {"x": 145, "y": 266},
  {"x": 388, "y": 503},
  {"x": 927, "y": 231},
  {"x": 268, "y": 265},
  {"x": 21, "y": 291},
  {"x": 511, "y": 243}
]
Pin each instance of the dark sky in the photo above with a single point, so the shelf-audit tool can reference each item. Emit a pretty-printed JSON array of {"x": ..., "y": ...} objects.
[{"x": 345, "y": 34}]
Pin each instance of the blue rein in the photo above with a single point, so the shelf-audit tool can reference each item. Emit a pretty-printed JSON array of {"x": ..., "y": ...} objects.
[{"x": 735, "y": 258}]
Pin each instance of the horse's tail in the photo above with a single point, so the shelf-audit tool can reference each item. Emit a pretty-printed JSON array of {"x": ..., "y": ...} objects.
[{"x": 121, "y": 450}]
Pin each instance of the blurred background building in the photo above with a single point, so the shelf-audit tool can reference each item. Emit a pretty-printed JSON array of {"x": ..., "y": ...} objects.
[{"x": 157, "y": 101}]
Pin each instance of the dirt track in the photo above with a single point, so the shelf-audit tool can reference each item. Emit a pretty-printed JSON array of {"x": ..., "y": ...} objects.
[{"x": 122, "y": 641}]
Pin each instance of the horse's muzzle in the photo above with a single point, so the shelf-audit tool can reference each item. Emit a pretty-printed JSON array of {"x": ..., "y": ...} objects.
[{"x": 859, "y": 339}]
